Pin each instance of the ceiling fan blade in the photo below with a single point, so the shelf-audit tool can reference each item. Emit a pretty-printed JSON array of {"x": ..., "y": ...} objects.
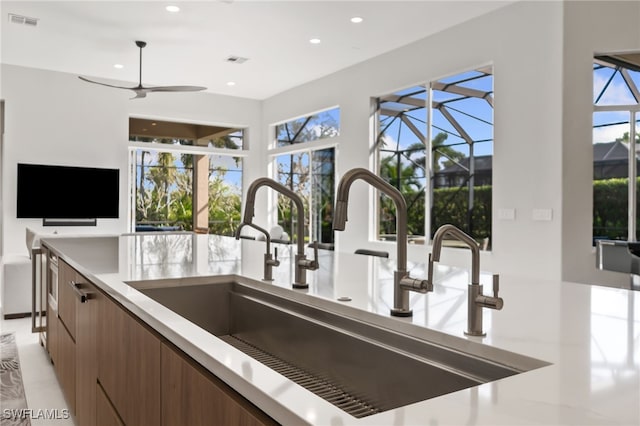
[
  {"x": 104, "y": 84},
  {"x": 140, "y": 90},
  {"x": 175, "y": 88}
]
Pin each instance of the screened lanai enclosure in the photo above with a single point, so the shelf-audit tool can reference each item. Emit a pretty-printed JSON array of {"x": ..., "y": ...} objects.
[{"x": 435, "y": 144}]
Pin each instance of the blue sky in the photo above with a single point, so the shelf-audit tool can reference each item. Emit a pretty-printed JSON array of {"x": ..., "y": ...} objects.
[{"x": 616, "y": 93}]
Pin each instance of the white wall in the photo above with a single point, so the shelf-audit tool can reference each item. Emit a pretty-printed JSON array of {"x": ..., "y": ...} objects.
[
  {"x": 589, "y": 27},
  {"x": 55, "y": 118},
  {"x": 523, "y": 42}
]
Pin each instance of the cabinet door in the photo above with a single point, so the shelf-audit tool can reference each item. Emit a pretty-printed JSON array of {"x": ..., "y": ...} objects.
[
  {"x": 86, "y": 370},
  {"x": 67, "y": 297},
  {"x": 106, "y": 415},
  {"x": 193, "y": 396},
  {"x": 128, "y": 365},
  {"x": 66, "y": 367}
]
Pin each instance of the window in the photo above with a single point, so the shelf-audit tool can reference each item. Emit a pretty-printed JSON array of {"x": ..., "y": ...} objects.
[
  {"x": 311, "y": 175},
  {"x": 616, "y": 135},
  {"x": 401, "y": 148},
  {"x": 308, "y": 170},
  {"x": 167, "y": 170},
  {"x": 322, "y": 125},
  {"x": 459, "y": 125}
]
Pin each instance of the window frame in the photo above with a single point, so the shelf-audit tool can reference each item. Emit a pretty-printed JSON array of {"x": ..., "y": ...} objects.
[
  {"x": 475, "y": 73},
  {"x": 134, "y": 146},
  {"x": 308, "y": 147}
]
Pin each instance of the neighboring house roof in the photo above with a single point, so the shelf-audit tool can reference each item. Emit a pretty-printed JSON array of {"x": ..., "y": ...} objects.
[
  {"x": 602, "y": 152},
  {"x": 481, "y": 163},
  {"x": 610, "y": 151}
]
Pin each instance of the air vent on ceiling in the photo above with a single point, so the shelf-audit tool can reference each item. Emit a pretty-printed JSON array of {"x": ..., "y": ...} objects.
[
  {"x": 23, "y": 20},
  {"x": 237, "y": 59}
]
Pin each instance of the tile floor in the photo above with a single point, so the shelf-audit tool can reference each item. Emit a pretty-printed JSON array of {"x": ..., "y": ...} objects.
[{"x": 40, "y": 383}]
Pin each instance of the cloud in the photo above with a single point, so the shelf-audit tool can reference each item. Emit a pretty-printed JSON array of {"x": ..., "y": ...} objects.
[{"x": 609, "y": 133}]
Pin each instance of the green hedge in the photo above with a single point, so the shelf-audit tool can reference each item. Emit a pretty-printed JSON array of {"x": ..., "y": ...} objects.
[
  {"x": 609, "y": 209},
  {"x": 450, "y": 205},
  {"x": 610, "y": 199}
]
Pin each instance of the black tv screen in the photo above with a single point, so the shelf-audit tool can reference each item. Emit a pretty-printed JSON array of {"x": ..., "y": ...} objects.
[{"x": 64, "y": 192}]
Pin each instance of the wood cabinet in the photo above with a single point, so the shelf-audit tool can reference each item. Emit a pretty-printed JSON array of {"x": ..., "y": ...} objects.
[
  {"x": 87, "y": 302},
  {"x": 193, "y": 396},
  {"x": 67, "y": 297},
  {"x": 66, "y": 344},
  {"x": 66, "y": 367},
  {"x": 106, "y": 414},
  {"x": 115, "y": 370},
  {"x": 128, "y": 365},
  {"x": 73, "y": 343}
]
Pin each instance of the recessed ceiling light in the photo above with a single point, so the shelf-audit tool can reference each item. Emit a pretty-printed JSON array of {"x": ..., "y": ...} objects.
[
  {"x": 231, "y": 83},
  {"x": 119, "y": 66},
  {"x": 314, "y": 41},
  {"x": 356, "y": 19},
  {"x": 172, "y": 9},
  {"x": 154, "y": 124}
]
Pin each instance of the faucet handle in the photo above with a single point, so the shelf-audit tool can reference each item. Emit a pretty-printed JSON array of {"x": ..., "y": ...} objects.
[
  {"x": 430, "y": 270},
  {"x": 314, "y": 264},
  {"x": 310, "y": 264},
  {"x": 494, "y": 302},
  {"x": 274, "y": 261}
]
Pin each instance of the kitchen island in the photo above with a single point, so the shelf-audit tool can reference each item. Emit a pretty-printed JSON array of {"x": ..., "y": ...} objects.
[{"x": 587, "y": 337}]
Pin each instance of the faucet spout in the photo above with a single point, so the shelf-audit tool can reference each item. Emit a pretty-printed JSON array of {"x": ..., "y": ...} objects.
[
  {"x": 302, "y": 264},
  {"x": 342, "y": 200},
  {"x": 403, "y": 283},
  {"x": 269, "y": 261},
  {"x": 459, "y": 235}
]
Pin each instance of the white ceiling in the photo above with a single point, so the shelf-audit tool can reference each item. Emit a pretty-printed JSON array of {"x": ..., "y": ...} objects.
[{"x": 190, "y": 47}]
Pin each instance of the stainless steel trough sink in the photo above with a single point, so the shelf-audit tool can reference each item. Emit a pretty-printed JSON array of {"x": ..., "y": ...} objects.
[{"x": 360, "y": 367}]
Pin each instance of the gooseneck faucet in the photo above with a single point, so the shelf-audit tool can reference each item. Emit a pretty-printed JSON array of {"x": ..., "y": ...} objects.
[
  {"x": 402, "y": 282},
  {"x": 269, "y": 261},
  {"x": 301, "y": 261},
  {"x": 475, "y": 299}
]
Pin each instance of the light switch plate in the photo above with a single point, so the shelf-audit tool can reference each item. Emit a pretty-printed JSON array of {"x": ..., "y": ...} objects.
[
  {"x": 506, "y": 214},
  {"x": 542, "y": 214}
]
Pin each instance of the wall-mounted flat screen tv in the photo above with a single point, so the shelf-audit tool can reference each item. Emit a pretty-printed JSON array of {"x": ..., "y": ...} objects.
[{"x": 65, "y": 192}]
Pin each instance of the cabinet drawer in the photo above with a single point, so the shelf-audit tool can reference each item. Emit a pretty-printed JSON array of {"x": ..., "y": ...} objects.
[
  {"x": 67, "y": 297},
  {"x": 128, "y": 356},
  {"x": 193, "y": 396},
  {"x": 66, "y": 367}
]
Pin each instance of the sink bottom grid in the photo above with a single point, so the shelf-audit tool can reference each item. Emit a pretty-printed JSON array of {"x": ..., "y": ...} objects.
[{"x": 319, "y": 386}]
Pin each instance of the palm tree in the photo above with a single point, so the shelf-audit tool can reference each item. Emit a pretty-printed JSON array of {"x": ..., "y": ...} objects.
[{"x": 443, "y": 155}]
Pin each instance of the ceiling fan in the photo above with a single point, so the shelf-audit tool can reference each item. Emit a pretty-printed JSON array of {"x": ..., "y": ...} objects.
[{"x": 140, "y": 90}]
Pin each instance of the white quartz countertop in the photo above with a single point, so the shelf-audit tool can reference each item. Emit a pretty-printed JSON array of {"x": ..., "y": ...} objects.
[{"x": 589, "y": 335}]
